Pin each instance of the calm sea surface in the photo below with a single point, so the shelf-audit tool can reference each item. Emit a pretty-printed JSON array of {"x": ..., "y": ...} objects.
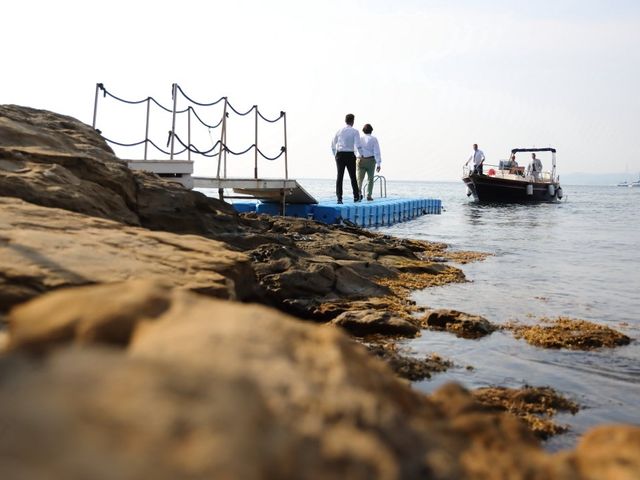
[{"x": 578, "y": 258}]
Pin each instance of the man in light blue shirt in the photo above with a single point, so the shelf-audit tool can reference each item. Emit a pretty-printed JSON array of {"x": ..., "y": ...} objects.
[
  {"x": 369, "y": 159},
  {"x": 344, "y": 146}
]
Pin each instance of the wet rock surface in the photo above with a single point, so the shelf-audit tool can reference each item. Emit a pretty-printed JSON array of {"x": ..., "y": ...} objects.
[
  {"x": 369, "y": 322},
  {"x": 570, "y": 333},
  {"x": 402, "y": 362},
  {"x": 461, "y": 324},
  {"x": 536, "y": 406}
]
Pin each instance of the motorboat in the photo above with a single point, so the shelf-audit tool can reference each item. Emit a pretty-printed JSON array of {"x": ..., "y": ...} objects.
[
  {"x": 506, "y": 183},
  {"x": 623, "y": 183}
]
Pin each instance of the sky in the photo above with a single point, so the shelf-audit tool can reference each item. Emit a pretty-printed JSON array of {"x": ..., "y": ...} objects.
[{"x": 432, "y": 77}]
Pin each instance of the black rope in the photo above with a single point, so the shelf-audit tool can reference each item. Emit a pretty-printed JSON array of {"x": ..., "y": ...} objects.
[
  {"x": 170, "y": 110},
  {"x": 238, "y": 153},
  {"x": 192, "y": 148},
  {"x": 140, "y": 143},
  {"x": 198, "y": 103},
  {"x": 137, "y": 102},
  {"x": 242, "y": 114},
  {"x": 204, "y": 123},
  {"x": 282, "y": 150},
  {"x": 124, "y": 144},
  {"x": 130, "y": 102},
  {"x": 165, "y": 151},
  {"x": 270, "y": 121}
]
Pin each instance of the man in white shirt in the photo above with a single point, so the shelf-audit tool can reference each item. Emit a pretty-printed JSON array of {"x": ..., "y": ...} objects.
[
  {"x": 478, "y": 159},
  {"x": 535, "y": 167},
  {"x": 369, "y": 159},
  {"x": 345, "y": 144}
]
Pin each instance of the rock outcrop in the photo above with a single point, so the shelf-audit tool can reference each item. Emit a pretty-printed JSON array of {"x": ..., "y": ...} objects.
[
  {"x": 209, "y": 388},
  {"x": 56, "y": 161},
  {"x": 42, "y": 249},
  {"x": 461, "y": 324}
]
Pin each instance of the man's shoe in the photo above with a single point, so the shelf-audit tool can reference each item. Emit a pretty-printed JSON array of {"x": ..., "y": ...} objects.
[
  {"x": 369, "y": 199},
  {"x": 340, "y": 202}
]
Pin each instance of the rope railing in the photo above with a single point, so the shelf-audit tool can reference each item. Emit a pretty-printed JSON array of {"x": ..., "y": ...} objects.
[
  {"x": 199, "y": 103},
  {"x": 205, "y": 123},
  {"x": 188, "y": 146}
]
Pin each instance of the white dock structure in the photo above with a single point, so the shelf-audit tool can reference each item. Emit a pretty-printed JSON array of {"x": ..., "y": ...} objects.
[{"x": 281, "y": 190}]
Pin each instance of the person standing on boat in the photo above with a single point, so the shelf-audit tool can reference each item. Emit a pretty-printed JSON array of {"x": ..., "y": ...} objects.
[
  {"x": 535, "y": 167},
  {"x": 477, "y": 156},
  {"x": 369, "y": 159},
  {"x": 345, "y": 144}
]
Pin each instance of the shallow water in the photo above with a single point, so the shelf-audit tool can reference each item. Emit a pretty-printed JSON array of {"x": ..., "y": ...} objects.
[{"x": 577, "y": 258}]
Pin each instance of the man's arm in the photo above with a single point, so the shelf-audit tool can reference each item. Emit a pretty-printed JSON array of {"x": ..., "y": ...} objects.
[
  {"x": 357, "y": 145},
  {"x": 334, "y": 143},
  {"x": 376, "y": 153}
]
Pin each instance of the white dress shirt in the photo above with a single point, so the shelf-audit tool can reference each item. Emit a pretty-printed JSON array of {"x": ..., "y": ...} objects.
[
  {"x": 347, "y": 139},
  {"x": 369, "y": 147},
  {"x": 477, "y": 156}
]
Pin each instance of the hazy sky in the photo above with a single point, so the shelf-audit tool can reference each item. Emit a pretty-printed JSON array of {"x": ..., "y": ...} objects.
[{"x": 432, "y": 77}]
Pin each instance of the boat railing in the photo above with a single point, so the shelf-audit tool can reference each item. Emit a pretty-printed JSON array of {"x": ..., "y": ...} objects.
[{"x": 503, "y": 171}]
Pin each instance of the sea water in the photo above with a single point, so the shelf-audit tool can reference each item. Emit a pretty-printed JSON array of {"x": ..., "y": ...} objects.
[{"x": 578, "y": 258}]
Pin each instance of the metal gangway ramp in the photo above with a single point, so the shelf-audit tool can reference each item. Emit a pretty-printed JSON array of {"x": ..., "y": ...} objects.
[{"x": 282, "y": 190}]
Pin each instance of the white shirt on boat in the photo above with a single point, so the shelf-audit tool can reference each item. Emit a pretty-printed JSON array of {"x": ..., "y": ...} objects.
[
  {"x": 369, "y": 147},
  {"x": 477, "y": 156}
]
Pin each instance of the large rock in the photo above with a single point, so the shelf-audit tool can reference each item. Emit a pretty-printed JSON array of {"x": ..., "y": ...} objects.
[
  {"x": 214, "y": 389},
  {"x": 609, "y": 452},
  {"x": 369, "y": 322},
  {"x": 45, "y": 248},
  {"x": 461, "y": 324},
  {"x": 56, "y": 161}
]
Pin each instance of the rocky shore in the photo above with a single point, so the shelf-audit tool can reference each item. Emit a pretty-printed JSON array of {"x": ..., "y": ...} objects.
[{"x": 151, "y": 332}]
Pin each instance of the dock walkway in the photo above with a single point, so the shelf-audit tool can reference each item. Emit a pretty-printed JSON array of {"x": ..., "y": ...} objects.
[{"x": 380, "y": 212}]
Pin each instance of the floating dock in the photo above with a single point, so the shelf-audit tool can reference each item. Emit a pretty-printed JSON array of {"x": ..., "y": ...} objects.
[{"x": 379, "y": 213}]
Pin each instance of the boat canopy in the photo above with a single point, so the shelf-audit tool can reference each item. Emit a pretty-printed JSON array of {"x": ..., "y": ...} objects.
[{"x": 548, "y": 149}]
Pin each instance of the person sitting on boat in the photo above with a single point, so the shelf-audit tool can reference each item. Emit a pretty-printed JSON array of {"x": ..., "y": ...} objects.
[
  {"x": 513, "y": 166},
  {"x": 478, "y": 159},
  {"x": 535, "y": 168}
]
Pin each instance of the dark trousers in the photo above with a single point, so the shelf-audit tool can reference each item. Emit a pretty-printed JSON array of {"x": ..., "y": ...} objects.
[
  {"x": 348, "y": 160},
  {"x": 477, "y": 169}
]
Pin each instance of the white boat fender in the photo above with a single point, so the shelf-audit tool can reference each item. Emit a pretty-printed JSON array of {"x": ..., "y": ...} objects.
[
  {"x": 530, "y": 189},
  {"x": 469, "y": 192},
  {"x": 559, "y": 192},
  {"x": 552, "y": 189}
]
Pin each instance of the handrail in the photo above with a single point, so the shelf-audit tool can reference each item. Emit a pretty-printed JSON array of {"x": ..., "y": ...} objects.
[
  {"x": 188, "y": 147},
  {"x": 383, "y": 185}
]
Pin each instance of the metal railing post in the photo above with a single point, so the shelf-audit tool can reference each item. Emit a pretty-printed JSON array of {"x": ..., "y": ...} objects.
[
  {"x": 189, "y": 133},
  {"x": 174, "y": 92},
  {"x": 286, "y": 150},
  {"x": 95, "y": 105},
  {"x": 225, "y": 151},
  {"x": 255, "y": 165},
  {"x": 146, "y": 130},
  {"x": 222, "y": 144}
]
